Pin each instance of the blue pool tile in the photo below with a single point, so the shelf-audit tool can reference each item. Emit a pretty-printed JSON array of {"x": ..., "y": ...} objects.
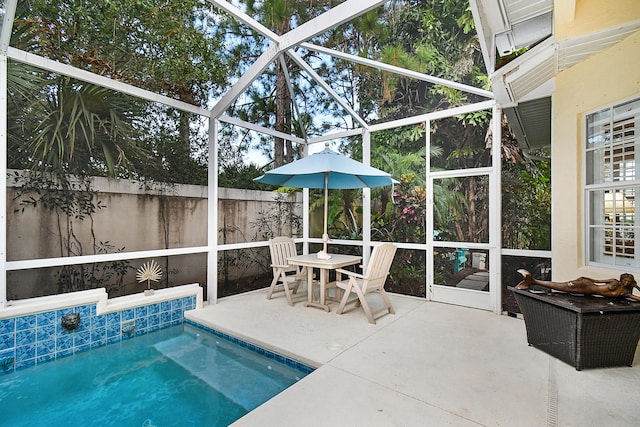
[
  {"x": 7, "y": 365},
  {"x": 165, "y": 306},
  {"x": 7, "y": 326},
  {"x": 99, "y": 343},
  {"x": 142, "y": 311},
  {"x": 46, "y": 332},
  {"x": 46, "y": 319},
  {"x": 45, "y": 358},
  {"x": 85, "y": 324},
  {"x": 7, "y": 341},
  {"x": 113, "y": 330},
  {"x": 60, "y": 330},
  {"x": 141, "y": 323},
  {"x": 25, "y": 322},
  {"x": 84, "y": 310},
  {"x": 98, "y": 321},
  {"x": 11, "y": 352},
  {"x": 154, "y": 320},
  {"x": 40, "y": 337},
  {"x": 154, "y": 309},
  {"x": 25, "y": 363},
  {"x": 44, "y": 348},
  {"x": 81, "y": 348},
  {"x": 113, "y": 318},
  {"x": 81, "y": 338},
  {"x": 98, "y": 334},
  {"x": 7, "y": 361},
  {"x": 25, "y": 352},
  {"x": 63, "y": 312},
  {"x": 25, "y": 337},
  {"x": 64, "y": 343},
  {"x": 165, "y": 317},
  {"x": 128, "y": 314},
  {"x": 64, "y": 353},
  {"x": 113, "y": 339}
]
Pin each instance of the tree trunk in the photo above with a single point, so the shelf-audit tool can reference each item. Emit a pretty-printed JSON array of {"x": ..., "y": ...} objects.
[
  {"x": 471, "y": 196},
  {"x": 283, "y": 117}
]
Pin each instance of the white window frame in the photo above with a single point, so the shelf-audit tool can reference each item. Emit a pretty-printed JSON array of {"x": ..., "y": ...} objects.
[{"x": 609, "y": 198}]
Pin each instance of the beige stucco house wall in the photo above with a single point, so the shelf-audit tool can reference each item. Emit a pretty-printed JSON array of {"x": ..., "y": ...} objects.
[
  {"x": 575, "y": 18},
  {"x": 609, "y": 77}
]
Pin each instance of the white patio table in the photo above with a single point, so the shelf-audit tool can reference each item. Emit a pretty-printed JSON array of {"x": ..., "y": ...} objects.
[{"x": 312, "y": 261}]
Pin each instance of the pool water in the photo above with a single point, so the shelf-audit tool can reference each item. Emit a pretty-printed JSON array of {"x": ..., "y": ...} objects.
[{"x": 179, "y": 376}]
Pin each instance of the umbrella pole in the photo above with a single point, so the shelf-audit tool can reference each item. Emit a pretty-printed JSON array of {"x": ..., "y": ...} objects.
[{"x": 325, "y": 236}]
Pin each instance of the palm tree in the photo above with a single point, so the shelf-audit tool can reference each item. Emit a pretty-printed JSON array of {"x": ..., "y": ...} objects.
[{"x": 84, "y": 129}]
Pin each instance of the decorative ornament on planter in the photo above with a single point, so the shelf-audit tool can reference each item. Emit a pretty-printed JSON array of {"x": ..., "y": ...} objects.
[{"x": 149, "y": 271}]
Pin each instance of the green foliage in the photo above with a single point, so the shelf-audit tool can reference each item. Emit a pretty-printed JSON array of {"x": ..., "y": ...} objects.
[
  {"x": 74, "y": 127},
  {"x": 83, "y": 129},
  {"x": 526, "y": 205},
  {"x": 281, "y": 219},
  {"x": 70, "y": 127},
  {"x": 270, "y": 101},
  {"x": 141, "y": 42},
  {"x": 433, "y": 37},
  {"x": 408, "y": 276},
  {"x": 242, "y": 176}
]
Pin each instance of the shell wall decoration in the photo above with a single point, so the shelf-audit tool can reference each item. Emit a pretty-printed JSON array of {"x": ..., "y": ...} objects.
[{"x": 149, "y": 271}]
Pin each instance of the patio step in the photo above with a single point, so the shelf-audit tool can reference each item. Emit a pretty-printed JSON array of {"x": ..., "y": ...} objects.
[{"x": 478, "y": 281}]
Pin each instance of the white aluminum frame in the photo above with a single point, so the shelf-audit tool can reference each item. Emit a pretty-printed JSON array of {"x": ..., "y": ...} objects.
[{"x": 281, "y": 45}]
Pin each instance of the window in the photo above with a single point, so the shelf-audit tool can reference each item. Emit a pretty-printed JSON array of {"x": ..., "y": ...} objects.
[{"x": 612, "y": 151}]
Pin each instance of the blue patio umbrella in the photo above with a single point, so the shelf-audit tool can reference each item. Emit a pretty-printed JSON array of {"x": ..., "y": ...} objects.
[{"x": 327, "y": 169}]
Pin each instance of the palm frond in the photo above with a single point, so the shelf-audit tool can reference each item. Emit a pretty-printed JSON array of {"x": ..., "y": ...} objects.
[{"x": 149, "y": 271}]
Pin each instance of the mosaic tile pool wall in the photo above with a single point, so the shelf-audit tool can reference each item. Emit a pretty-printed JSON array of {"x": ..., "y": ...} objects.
[
  {"x": 292, "y": 363},
  {"x": 36, "y": 338}
]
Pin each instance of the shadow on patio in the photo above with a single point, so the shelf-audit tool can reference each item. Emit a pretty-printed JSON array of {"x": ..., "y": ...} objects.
[{"x": 429, "y": 364}]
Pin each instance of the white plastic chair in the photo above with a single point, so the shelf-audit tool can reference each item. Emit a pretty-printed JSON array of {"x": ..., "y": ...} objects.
[
  {"x": 284, "y": 274},
  {"x": 372, "y": 280}
]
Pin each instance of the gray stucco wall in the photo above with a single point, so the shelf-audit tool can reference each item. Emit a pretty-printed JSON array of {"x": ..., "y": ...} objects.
[{"x": 136, "y": 217}]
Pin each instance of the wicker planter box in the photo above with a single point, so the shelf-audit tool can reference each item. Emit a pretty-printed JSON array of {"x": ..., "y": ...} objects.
[{"x": 583, "y": 331}]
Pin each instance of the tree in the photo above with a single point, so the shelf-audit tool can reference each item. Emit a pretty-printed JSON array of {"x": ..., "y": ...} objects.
[
  {"x": 142, "y": 43},
  {"x": 269, "y": 101},
  {"x": 72, "y": 129},
  {"x": 436, "y": 37},
  {"x": 85, "y": 130}
]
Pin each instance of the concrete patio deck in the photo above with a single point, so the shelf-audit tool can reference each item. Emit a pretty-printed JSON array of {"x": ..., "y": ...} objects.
[{"x": 430, "y": 364}]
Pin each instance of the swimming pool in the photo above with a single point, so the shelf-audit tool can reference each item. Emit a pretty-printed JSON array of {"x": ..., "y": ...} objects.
[{"x": 178, "y": 376}]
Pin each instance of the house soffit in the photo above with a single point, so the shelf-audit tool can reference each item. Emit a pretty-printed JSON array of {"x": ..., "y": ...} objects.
[{"x": 531, "y": 75}]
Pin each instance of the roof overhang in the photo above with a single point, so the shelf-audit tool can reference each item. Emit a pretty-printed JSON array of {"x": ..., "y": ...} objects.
[{"x": 524, "y": 85}]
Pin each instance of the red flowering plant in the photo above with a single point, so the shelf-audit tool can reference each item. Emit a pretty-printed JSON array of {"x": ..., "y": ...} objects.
[{"x": 408, "y": 221}]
